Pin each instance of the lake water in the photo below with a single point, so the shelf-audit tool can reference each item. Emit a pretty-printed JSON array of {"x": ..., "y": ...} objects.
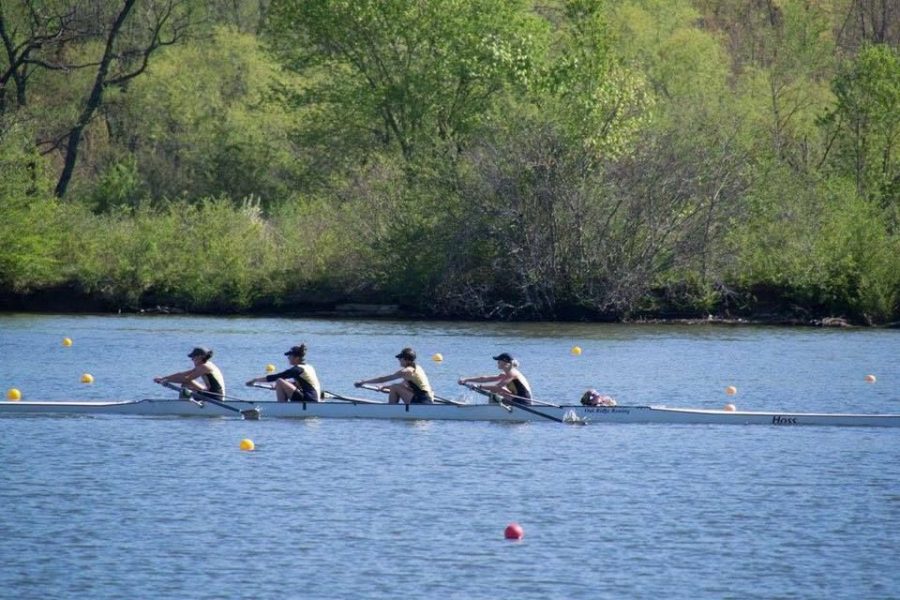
[{"x": 119, "y": 507}]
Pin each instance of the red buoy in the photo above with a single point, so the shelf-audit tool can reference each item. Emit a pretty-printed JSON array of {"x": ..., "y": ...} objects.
[{"x": 514, "y": 531}]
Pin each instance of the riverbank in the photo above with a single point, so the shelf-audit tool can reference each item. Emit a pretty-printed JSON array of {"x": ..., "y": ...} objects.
[{"x": 69, "y": 300}]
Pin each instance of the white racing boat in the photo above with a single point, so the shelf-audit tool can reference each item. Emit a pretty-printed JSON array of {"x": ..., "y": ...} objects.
[{"x": 367, "y": 409}]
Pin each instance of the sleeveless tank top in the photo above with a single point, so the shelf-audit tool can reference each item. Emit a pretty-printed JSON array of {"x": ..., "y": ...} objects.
[
  {"x": 215, "y": 383},
  {"x": 419, "y": 382},
  {"x": 308, "y": 381}
]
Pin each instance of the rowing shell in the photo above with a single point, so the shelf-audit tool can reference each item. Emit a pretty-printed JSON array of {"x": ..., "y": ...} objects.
[{"x": 448, "y": 412}]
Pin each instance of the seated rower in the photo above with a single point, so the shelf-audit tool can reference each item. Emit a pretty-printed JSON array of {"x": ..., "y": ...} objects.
[
  {"x": 298, "y": 383},
  {"x": 213, "y": 385},
  {"x": 413, "y": 387},
  {"x": 509, "y": 384}
]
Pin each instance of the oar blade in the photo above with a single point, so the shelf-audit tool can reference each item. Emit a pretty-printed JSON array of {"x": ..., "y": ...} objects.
[{"x": 251, "y": 414}]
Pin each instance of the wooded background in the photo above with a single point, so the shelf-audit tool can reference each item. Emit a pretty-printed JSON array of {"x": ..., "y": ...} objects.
[{"x": 579, "y": 159}]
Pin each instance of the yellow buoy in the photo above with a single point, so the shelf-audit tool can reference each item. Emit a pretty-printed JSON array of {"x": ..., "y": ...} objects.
[
  {"x": 67, "y": 342},
  {"x": 247, "y": 445},
  {"x": 576, "y": 351},
  {"x": 730, "y": 408},
  {"x": 437, "y": 357},
  {"x": 731, "y": 390},
  {"x": 13, "y": 394},
  {"x": 87, "y": 378},
  {"x": 270, "y": 368},
  {"x": 870, "y": 379}
]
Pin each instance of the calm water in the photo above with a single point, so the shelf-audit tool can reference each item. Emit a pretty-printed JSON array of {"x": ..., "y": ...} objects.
[{"x": 117, "y": 507}]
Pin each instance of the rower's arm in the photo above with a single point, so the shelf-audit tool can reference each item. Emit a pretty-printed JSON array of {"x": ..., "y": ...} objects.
[
  {"x": 480, "y": 379},
  {"x": 181, "y": 377},
  {"x": 174, "y": 377},
  {"x": 293, "y": 372},
  {"x": 382, "y": 379}
]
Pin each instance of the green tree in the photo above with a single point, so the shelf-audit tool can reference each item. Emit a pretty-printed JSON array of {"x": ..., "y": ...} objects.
[
  {"x": 586, "y": 86},
  {"x": 205, "y": 121},
  {"x": 864, "y": 124},
  {"x": 405, "y": 75},
  {"x": 123, "y": 58}
]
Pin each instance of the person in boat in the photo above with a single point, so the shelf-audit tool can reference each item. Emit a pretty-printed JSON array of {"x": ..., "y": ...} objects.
[
  {"x": 509, "y": 383},
  {"x": 298, "y": 383},
  {"x": 212, "y": 384},
  {"x": 413, "y": 387},
  {"x": 594, "y": 398}
]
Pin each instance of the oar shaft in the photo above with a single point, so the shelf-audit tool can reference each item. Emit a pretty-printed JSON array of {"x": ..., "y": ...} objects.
[
  {"x": 196, "y": 397},
  {"x": 373, "y": 388},
  {"x": 334, "y": 396},
  {"x": 513, "y": 402}
]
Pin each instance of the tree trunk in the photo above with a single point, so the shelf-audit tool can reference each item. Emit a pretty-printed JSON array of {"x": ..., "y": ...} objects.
[{"x": 93, "y": 102}]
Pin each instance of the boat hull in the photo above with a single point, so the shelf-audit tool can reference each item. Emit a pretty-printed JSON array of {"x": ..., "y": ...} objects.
[{"x": 469, "y": 412}]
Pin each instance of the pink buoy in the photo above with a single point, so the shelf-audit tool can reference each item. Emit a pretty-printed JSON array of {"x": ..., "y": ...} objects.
[{"x": 514, "y": 531}]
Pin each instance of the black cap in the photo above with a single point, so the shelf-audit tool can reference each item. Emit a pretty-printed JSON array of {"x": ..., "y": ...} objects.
[
  {"x": 200, "y": 351},
  {"x": 296, "y": 351},
  {"x": 407, "y": 353},
  {"x": 504, "y": 356}
]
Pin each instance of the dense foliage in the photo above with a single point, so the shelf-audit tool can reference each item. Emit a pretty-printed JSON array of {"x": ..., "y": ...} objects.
[{"x": 469, "y": 158}]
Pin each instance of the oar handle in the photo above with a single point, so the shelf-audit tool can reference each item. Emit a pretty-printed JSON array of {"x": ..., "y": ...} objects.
[
  {"x": 262, "y": 386},
  {"x": 374, "y": 388},
  {"x": 477, "y": 388}
]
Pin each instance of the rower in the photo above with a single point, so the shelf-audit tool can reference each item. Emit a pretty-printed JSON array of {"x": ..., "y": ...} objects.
[
  {"x": 213, "y": 384},
  {"x": 413, "y": 387},
  {"x": 509, "y": 383},
  {"x": 298, "y": 383}
]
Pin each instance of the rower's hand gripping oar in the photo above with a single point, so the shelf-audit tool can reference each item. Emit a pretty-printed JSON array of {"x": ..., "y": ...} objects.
[
  {"x": 509, "y": 403},
  {"x": 251, "y": 414},
  {"x": 384, "y": 390}
]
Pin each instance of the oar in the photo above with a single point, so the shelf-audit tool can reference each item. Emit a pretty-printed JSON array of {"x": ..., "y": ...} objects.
[
  {"x": 523, "y": 406},
  {"x": 334, "y": 396},
  {"x": 524, "y": 400},
  {"x": 449, "y": 401},
  {"x": 326, "y": 394},
  {"x": 373, "y": 388},
  {"x": 251, "y": 414}
]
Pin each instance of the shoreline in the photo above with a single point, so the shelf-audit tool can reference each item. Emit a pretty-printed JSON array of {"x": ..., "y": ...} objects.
[
  {"x": 397, "y": 312},
  {"x": 771, "y": 312}
]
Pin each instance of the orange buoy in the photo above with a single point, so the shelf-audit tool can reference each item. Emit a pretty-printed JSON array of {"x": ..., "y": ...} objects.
[
  {"x": 870, "y": 379},
  {"x": 729, "y": 408},
  {"x": 731, "y": 390}
]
